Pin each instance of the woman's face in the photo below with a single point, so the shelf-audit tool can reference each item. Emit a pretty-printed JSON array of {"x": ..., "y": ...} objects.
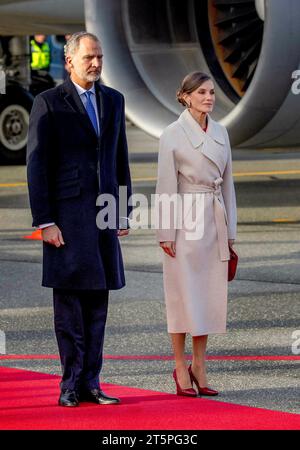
[{"x": 202, "y": 99}]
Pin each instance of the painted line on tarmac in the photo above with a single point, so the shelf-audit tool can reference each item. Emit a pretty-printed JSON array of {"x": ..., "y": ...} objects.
[
  {"x": 238, "y": 174},
  {"x": 267, "y": 173},
  {"x": 235, "y": 174},
  {"x": 285, "y": 220},
  {"x": 165, "y": 357},
  {"x": 13, "y": 184}
]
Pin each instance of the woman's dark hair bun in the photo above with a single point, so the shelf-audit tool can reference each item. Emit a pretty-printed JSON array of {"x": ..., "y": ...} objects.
[{"x": 179, "y": 96}]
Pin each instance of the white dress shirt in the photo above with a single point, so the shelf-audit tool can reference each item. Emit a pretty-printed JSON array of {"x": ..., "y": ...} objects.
[{"x": 81, "y": 91}]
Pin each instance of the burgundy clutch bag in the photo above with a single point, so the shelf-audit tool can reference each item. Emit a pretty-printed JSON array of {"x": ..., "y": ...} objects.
[{"x": 232, "y": 264}]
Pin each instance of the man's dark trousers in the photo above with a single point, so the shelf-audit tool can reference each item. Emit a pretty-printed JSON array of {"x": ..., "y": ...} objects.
[{"x": 79, "y": 321}]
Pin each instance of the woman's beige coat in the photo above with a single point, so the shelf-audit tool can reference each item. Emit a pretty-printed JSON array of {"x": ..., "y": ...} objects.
[{"x": 197, "y": 166}]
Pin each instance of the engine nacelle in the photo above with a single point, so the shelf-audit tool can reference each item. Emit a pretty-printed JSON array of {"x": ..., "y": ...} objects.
[{"x": 251, "y": 49}]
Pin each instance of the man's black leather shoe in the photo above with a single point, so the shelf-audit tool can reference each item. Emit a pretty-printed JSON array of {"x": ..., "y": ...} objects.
[
  {"x": 98, "y": 396},
  {"x": 68, "y": 398}
]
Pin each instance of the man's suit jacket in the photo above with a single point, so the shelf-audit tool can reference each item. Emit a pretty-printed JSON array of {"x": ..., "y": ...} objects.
[{"x": 68, "y": 166}]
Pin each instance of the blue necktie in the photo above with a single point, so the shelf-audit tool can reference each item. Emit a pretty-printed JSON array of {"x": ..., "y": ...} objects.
[{"x": 91, "y": 110}]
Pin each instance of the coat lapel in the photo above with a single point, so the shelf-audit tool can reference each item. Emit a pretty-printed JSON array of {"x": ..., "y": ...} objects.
[
  {"x": 104, "y": 104},
  {"x": 212, "y": 141},
  {"x": 74, "y": 102}
]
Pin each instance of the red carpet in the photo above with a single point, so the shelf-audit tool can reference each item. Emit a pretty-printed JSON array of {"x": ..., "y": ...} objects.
[
  {"x": 166, "y": 357},
  {"x": 28, "y": 401}
]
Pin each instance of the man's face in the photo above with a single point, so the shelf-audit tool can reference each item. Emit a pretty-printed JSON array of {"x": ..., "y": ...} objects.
[
  {"x": 40, "y": 38},
  {"x": 87, "y": 61}
]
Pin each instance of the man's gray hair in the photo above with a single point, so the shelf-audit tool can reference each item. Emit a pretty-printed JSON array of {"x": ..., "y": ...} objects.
[{"x": 73, "y": 42}]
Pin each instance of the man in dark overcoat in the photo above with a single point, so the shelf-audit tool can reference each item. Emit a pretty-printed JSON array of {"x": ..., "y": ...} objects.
[{"x": 77, "y": 151}]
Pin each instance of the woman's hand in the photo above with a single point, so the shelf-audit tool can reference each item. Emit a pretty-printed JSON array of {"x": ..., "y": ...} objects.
[
  {"x": 230, "y": 242},
  {"x": 169, "y": 247},
  {"x": 121, "y": 233}
]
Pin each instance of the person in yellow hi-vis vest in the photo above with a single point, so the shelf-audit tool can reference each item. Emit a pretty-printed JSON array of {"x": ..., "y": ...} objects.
[
  {"x": 40, "y": 53},
  {"x": 41, "y": 78}
]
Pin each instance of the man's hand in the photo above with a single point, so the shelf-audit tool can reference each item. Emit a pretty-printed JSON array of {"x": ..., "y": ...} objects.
[
  {"x": 52, "y": 235},
  {"x": 123, "y": 233},
  {"x": 169, "y": 247},
  {"x": 230, "y": 242}
]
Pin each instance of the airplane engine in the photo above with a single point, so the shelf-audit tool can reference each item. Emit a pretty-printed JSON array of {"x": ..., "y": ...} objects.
[{"x": 250, "y": 48}]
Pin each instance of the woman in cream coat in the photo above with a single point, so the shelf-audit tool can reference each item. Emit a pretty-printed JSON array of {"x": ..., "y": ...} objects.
[{"x": 195, "y": 160}]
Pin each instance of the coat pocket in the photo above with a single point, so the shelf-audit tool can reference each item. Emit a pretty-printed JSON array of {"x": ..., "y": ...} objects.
[{"x": 69, "y": 173}]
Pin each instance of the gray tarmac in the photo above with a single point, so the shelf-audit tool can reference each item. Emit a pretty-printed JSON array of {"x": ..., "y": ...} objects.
[{"x": 263, "y": 307}]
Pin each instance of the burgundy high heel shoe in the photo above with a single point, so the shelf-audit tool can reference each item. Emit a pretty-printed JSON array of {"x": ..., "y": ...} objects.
[
  {"x": 190, "y": 392},
  {"x": 201, "y": 390}
]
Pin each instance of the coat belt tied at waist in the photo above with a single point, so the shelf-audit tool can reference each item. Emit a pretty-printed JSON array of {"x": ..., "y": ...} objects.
[{"x": 219, "y": 211}]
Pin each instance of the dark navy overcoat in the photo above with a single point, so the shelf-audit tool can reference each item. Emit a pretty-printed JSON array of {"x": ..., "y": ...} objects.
[{"x": 68, "y": 166}]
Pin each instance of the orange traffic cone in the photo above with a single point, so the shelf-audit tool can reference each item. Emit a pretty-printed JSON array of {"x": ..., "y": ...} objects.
[{"x": 36, "y": 235}]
